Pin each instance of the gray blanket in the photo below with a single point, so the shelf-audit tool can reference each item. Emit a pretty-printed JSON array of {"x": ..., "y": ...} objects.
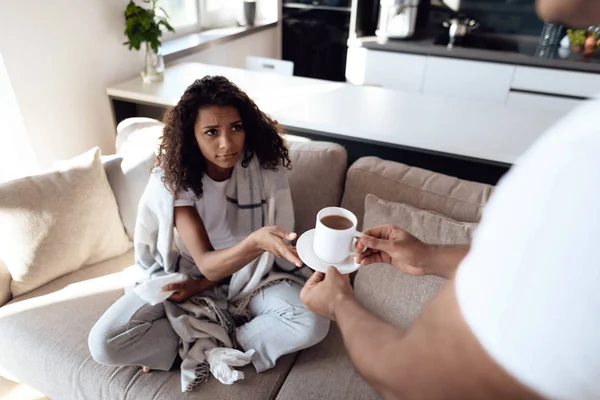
[{"x": 256, "y": 197}]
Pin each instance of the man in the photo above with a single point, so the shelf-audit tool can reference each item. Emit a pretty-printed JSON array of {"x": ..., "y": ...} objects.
[{"x": 520, "y": 315}]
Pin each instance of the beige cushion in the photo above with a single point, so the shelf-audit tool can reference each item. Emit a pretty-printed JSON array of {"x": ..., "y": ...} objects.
[
  {"x": 389, "y": 293},
  {"x": 316, "y": 179},
  {"x": 57, "y": 222},
  {"x": 458, "y": 199},
  {"x": 324, "y": 372},
  {"x": 48, "y": 350},
  {"x": 5, "y": 278}
]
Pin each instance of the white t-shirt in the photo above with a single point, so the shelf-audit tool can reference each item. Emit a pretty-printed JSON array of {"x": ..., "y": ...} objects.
[
  {"x": 530, "y": 287},
  {"x": 212, "y": 207}
]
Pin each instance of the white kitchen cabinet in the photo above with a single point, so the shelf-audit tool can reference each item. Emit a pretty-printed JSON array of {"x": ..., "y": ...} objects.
[
  {"x": 468, "y": 79},
  {"x": 514, "y": 85},
  {"x": 391, "y": 70},
  {"x": 566, "y": 83},
  {"x": 527, "y": 101}
]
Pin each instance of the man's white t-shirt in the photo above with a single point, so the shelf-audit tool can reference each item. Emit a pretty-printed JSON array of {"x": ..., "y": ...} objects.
[
  {"x": 212, "y": 208},
  {"x": 529, "y": 289}
]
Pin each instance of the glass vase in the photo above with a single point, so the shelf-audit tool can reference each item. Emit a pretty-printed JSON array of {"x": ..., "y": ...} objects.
[{"x": 154, "y": 65}]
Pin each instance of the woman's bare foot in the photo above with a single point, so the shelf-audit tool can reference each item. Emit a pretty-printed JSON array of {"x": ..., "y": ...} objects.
[{"x": 145, "y": 370}]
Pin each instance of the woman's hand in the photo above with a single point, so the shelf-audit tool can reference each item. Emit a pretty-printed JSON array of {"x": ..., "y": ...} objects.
[
  {"x": 272, "y": 239},
  {"x": 184, "y": 290}
]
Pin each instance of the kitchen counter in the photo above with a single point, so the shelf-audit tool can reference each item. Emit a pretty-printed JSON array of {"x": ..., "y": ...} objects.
[
  {"x": 457, "y": 128},
  {"x": 525, "y": 52}
]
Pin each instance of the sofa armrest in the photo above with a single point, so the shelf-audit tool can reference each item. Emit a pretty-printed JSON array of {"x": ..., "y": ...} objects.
[
  {"x": 128, "y": 177},
  {"x": 5, "y": 280}
]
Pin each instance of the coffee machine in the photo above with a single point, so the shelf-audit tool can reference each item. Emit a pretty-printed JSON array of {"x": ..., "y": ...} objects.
[{"x": 397, "y": 18}]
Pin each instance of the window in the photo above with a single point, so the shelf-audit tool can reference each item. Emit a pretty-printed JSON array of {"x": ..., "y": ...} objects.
[
  {"x": 188, "y": 16},
  {"x": 218, "y": 12},
  {"x": 182, "y": 13}
]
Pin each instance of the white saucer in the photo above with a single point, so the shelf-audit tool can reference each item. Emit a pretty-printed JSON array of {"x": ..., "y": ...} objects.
[{"x": 308, "y": 256}]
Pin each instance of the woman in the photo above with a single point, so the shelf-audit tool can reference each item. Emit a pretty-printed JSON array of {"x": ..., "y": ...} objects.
[{"x": 220, "y": 185}]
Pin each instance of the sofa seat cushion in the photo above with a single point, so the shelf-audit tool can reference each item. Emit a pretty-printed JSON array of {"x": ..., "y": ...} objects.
[
  {"x": 456, "y": 198},
  {"x": 316, "y": 179},
  {"x": 45, "y": 346},
  {"x": 324, "y": 372},
  {"x": 117, "y": 272},
  {"x": 394, "y": 296}
]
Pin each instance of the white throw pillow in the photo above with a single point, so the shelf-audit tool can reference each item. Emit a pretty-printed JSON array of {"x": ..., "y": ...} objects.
[{"x": 59, "y": 221}]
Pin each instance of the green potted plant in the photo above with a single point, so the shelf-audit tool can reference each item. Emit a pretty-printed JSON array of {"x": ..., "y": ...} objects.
[{"x": 144, "y": 27}]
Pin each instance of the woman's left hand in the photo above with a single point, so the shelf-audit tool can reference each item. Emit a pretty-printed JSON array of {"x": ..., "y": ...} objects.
[
  {"x": 184, "y": 290},
  {"x": 272, "y": 239}
]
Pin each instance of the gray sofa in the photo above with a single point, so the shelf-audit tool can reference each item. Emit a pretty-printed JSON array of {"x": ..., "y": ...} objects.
[{"x": 44, "y": 332}]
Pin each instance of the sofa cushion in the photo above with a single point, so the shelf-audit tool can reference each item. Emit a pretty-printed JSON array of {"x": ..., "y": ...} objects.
[
  {"x": 458, "y": 199},
  {"x": 5, "y": 279},
  {"x": 324, "y": 372},
  {"x": 316, "y": 179},
  {"x": 48, "y": 349},
  {"x": 394, "y": 296},
  {"x": 58, "y": 221}
]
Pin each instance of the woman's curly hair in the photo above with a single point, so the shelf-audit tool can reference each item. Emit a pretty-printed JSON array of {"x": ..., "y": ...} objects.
[{"x": 179, "y": 155}]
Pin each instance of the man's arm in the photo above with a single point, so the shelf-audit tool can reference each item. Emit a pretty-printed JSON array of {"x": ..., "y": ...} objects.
[
  {"x": 436, "y": 358},
  {"x": 393, "y": 245},
  {"x": 444, "y": 260}
]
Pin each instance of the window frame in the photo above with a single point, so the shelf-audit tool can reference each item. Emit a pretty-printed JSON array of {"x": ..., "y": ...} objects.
[{"x": 224, "y": 17}]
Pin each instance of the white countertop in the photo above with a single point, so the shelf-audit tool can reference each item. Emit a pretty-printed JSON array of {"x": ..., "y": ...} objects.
[{"x": 452, "y": 126}]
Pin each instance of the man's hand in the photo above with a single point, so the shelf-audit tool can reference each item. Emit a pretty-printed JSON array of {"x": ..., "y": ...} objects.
[
  {"x": 184, "y": 290},
  {"x": 392, "y": 245},
  {"x": 323, "y": 292}
]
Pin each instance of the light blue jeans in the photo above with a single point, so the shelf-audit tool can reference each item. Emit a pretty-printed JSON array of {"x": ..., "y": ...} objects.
[{"x": 132, "y": 332}]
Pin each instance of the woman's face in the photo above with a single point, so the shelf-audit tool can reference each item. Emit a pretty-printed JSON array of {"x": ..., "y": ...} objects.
[{"x": 220, "y": 136}]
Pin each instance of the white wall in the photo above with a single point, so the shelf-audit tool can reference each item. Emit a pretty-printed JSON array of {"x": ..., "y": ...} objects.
[
  {"x": 16, "y": 155},
  {"x": 233, "y": 54},
  {"x": 61, "y": 55}
]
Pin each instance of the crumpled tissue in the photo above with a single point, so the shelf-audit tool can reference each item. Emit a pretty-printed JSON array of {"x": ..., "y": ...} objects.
[
  {"x": 151, "y": 289},
  {"x": 221, "y": 359}
]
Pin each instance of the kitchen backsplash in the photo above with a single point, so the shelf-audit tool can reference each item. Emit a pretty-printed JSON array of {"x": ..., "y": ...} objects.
[{"x": 500, "y": 16}]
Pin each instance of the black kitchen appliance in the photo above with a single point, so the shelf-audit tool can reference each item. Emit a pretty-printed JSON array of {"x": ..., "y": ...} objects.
[
  {"x": 367, "y": 16},
  {"x": 314, "y": 37}
]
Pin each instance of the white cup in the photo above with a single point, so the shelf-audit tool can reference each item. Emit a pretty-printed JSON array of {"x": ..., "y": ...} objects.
[{"x": 335, "y": 245}]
